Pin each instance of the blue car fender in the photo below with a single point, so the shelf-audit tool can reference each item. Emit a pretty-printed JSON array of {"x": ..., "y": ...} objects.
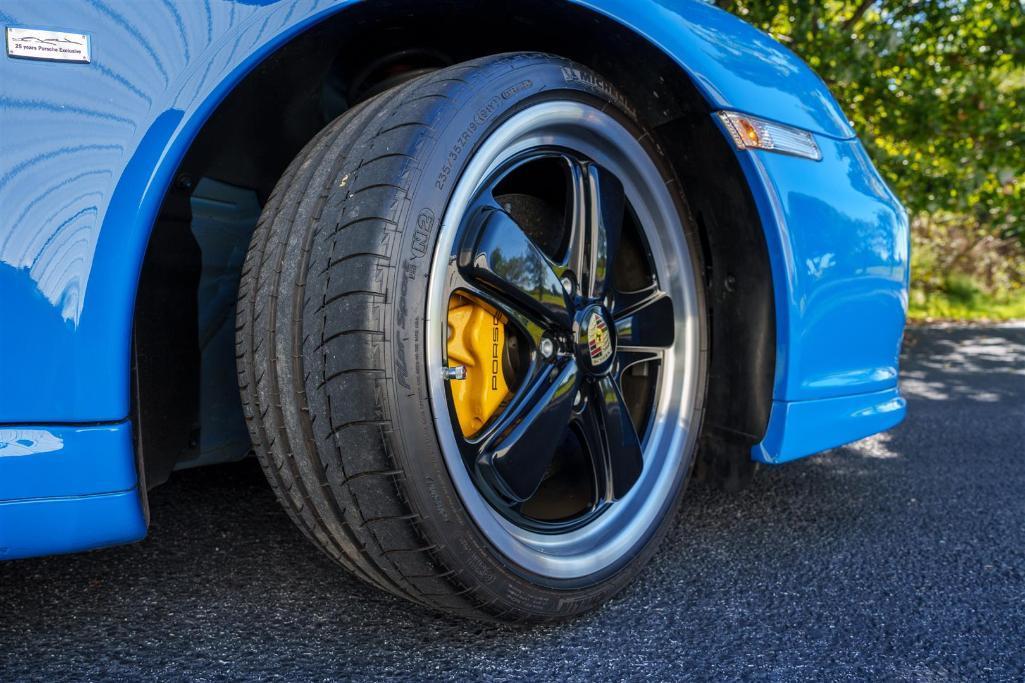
[{"x": 88, "y": 151}]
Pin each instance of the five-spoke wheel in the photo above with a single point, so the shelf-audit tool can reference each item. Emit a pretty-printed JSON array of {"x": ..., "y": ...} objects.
[
  {"x": 564, "y": 227},
  {"x": 579, "y": 332}
]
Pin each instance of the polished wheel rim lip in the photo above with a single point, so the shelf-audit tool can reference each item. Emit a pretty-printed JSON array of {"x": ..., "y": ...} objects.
[{"x": 609, "y": 538}]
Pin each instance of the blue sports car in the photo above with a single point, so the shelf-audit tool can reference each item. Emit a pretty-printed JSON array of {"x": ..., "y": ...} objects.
[{"x": 482, "y": 284}]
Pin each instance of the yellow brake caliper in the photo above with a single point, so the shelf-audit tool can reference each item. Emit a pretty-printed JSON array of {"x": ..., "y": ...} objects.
[{"x": 476, "y": 340}]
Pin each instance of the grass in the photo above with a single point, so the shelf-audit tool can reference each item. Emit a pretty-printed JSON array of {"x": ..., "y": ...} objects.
[{"x": 964, "y": 305}]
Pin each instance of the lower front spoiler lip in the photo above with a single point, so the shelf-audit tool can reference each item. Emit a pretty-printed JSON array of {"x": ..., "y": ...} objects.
[
  {"x": 49, "y": 526},
  {"x": 68, "y": 487},
  {"x": 800, "y": 428}
]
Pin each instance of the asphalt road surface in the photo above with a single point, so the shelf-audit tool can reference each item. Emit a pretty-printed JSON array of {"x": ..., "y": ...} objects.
[{"x": 901, "y": 557}]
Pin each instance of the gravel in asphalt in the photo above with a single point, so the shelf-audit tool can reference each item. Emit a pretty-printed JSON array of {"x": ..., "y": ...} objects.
[{"x": 901, "y": 557}]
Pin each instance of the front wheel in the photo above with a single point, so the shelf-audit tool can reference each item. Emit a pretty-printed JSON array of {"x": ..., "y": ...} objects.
[{"x": 472, "y": 340}]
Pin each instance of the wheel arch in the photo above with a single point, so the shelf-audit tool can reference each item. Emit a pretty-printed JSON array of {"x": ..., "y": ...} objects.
[{"x": 676, "y": 96}]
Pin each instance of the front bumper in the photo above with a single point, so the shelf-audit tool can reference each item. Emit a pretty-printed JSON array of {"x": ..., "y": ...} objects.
[
  {"x": 839, "y": 249},
  {"x": 67, "y": 488},
  {"x": 799, "y": 428}
]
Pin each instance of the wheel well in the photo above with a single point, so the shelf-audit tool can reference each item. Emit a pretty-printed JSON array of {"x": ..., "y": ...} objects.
[{"x": 279, "y": 106}]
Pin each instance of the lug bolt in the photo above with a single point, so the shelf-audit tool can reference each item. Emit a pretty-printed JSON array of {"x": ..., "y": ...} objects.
[
  {"x": 456, "y": 373},
  {"x": 547, "y": 347}
]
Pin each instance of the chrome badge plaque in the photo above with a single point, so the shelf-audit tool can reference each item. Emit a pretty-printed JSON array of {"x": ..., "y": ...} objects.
[{"x": 58, "y": 46}]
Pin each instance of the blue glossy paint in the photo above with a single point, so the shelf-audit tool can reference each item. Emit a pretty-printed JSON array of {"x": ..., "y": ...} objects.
[
  {"x": 48, "y": 526},
  {"x": 839, "y": 246},
  {"x": 841, "y": 265},
  {"x": 67, "y": 488},
  {"x": 85, "y": 179},
  {"x": 46, "y": 461},
  {"x": 797, "y": 428},
  {"x": 88, "y": 150}
]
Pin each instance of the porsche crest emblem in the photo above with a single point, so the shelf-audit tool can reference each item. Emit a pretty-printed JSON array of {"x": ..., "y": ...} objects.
[{"x": 599, "y": 340}]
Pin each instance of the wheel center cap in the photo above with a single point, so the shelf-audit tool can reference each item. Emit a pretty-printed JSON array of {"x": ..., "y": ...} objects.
[{"x": 596, "y": 339}]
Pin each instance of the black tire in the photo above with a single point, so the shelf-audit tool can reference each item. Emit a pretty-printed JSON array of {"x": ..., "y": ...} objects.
[{"x": 330, "y": 343}]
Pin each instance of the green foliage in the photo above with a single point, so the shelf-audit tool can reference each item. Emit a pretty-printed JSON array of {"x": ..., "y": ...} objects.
[
  {"x": 961, "y": 289},
  {"x": 962, "y": 272},
  {"x": 944, "y": 245},
  {"x": 936, "y": 90},
  {"x": 941, "y": 306}
]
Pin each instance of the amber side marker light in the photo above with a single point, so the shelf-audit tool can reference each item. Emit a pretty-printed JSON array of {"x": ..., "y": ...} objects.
[{"x": 751, "y": 132}]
